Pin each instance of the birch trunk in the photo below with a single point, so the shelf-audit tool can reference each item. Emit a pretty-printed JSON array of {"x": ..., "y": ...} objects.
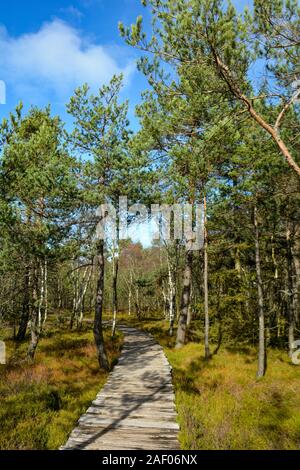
[
  {"x": 129, "y": 302},
  {"x": 296, "y": 261},
  {"x": 290, "y": 292},
  {"x": 41, "y": 297},
  {"x": 115, "y": 293},
  {"x": 165, "y": 302},
  {"x": 116, "y": 252},
  {"x": 45, "y": 292},
  {"x": 261, "y": 369},
  {"x": 75, "y": 298},
  {"x": 205, "y": 281}
]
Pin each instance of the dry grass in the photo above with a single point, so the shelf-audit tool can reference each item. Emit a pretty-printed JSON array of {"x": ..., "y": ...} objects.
[
  {"x": 41, "y": 402},
  {"x": 221, "y": 404}
]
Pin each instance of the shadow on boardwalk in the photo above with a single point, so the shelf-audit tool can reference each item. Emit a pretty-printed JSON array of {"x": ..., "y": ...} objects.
[{"x": 135, "y": 409}]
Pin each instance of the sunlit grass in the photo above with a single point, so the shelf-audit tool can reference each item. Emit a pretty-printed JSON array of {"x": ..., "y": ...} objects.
[
  {"x": 41, "y": 402},
  {"x": 221, "y": 404}
]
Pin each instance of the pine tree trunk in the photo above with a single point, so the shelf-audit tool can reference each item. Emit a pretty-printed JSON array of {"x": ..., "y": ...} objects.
[
  {"x": 190, "y": 312},
  {"x": 34, "y": 320},
  {"x": 220, "y": 329},
  {"x": 137, "y": 303},
  {"x": 25, "y": 308},
  {"x": 261, "y": 317},
  {"x": 205, "y": 281},
  {"x": 98, "y": 331},
  {"x": 185, "y": 298},
  {"x": 59, "y": 289},
  {"x": 80, "y": 303}
]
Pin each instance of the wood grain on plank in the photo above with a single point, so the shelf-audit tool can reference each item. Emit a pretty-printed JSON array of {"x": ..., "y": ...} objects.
[{"x": 135, "y": 408}]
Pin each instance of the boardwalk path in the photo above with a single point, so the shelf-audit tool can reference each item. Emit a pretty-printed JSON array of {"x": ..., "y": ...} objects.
[{"x": 135, "y": 409}]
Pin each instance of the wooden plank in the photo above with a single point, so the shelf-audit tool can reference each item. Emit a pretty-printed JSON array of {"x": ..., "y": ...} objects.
[
  {"x": 135, "y": 409},
  {"x": 125, "y": 422}
]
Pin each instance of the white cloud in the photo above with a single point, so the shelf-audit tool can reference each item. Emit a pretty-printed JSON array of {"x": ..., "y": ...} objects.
[
  {"x": 72, "y": 11},
  {"x": 53, "y": 61}
]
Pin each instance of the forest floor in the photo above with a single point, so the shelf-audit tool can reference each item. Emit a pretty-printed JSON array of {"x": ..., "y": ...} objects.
[
  {"x": 41, "y": 402},
  {"x": 221, "y": 404}
]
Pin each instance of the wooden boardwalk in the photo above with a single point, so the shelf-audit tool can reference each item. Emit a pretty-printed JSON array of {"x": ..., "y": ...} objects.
[{"x": 135, "y": 408}]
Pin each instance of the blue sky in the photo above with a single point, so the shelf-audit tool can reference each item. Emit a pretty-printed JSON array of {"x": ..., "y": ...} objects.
[{"x": 47, "y": 48}]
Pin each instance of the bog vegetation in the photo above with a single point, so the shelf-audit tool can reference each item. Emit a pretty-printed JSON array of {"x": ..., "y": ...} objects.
[{"x": 219, "y": 126}]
